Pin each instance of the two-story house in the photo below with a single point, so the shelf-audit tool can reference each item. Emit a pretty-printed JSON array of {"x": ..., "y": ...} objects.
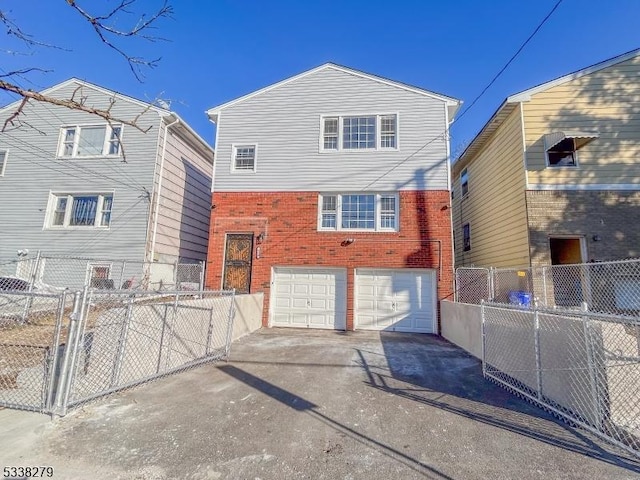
[
  {"x": 73, "y": 184},
  {"x": 553, "y": 177},
  {"x": 331, "y": 195}
]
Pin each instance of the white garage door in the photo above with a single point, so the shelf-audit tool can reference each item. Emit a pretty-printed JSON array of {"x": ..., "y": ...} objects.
[
  {"x": 309, "y": 297},
  {"x": 396, "y": 300}
]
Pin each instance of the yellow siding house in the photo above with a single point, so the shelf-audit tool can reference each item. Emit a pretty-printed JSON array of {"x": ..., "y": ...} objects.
[{"x": 554, "y": 175}]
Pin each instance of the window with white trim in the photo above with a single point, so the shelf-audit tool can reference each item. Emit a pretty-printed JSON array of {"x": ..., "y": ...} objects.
[
  {"x": 100, "y": 276},
  {"x": 359, "y": 132},
  {"x": 83, "y": 210},
  {"x": 90, "y": 141},
  {"x": 244, "y": 158},
  {"x": 357, "y": 211},
  {"x": 464, "y": 182},
  {"x": 3, "y": 161}
]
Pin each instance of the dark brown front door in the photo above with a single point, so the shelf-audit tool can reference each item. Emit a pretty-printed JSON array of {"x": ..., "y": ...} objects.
[{"x": 237, "y": 262}]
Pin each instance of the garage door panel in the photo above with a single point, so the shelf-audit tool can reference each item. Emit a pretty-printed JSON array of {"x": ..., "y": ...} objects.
[
  {"x": 398, "y": 300},
  {"x": 316, "y": 297}
]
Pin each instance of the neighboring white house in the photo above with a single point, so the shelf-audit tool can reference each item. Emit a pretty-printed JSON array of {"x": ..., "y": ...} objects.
[{"x": 74, "y": 184}]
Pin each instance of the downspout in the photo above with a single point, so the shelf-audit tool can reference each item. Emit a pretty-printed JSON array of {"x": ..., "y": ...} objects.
[{"x": 160, "y": 176}]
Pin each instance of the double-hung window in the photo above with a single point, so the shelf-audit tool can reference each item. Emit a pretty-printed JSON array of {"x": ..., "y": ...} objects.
[
  {"x": 374, "y": 212},
  {"x": 90, "y": 141},
  {"x": 80, "y": 210},
  {"x": 244, "y": 158},
  {"x": 359, "y": 132}
]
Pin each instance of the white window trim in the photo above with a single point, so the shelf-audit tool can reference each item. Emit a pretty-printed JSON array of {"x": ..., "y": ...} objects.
[
  {"x": 378, "y": 146},
  {"x": 51, "y": 208},
  {"x": 4, "y": 164},
  {"x": 76, "y": 140},
  {"x": 378, "y": 215},
  {"x": 571, "y": 167},
  {"x": 241, "y": 171},
  {"x": 92, "y": 265},
  {"x": 463, "y": 172}
]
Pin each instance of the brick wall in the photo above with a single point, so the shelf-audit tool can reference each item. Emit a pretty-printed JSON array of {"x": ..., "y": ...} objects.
[
  {"x": 289, "y": 222},
  {"x": 612, "y": 216}
]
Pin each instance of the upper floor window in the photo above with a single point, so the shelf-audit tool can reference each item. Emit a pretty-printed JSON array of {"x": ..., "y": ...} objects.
[
  {"x": 562, "y": 147},
  {"x": 3, "y": 161},
  {"x": 376, "y": 212},
  {"x": 361, "y": 132},
  {"x": 79, "y": 210},
  {"x": 466, "y": 237},
  {"x": 464, "y": 182},
  {"x": 244, "y": 158},
  {"x": 90, "y": 141}
]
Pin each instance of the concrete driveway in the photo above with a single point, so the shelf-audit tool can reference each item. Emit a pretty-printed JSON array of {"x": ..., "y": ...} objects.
[{"x": 295, "y": 404}]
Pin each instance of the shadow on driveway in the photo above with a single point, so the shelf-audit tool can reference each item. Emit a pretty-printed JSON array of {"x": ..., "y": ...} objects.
[{"x": 445, "y": 382}]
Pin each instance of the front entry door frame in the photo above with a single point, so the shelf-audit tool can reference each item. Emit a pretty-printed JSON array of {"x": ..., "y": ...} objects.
[{"x": 238, "y": 258}]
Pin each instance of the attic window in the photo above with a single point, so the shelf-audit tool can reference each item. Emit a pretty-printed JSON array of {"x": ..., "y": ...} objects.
[{"x": 562, "y": 147}]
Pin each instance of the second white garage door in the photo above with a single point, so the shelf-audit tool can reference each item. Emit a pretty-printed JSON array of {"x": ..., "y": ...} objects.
[
  {"x": 309, "y": 297},
  {"x": 396, "y": 300}
]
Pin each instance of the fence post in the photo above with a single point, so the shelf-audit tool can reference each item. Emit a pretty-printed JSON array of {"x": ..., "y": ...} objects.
[
  {"x": 484, "y": 335},
  {"x": 122, "y": 270},
  {"x": 536, "y": 326},
  {"x": 544, "y": 285},
  {"x": 593, "y": 381},
  {"x": 227, "y": 347},
  {"x": 63, "y": 385},
  {"x": 122, "y": 343},
  {"x": 492, "y": 284},
  {"x": 53, "y": 367},
  {"x": 33, "y": 272},
  {"x": 202, "y": 267}
]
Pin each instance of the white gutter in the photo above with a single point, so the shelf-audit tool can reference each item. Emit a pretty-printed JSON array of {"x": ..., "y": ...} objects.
[{"x": 160, "y": 174}]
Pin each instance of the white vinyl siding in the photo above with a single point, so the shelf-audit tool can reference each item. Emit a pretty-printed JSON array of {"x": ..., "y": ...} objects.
[
  {"x": 90, "y": 141},
  {"x": 288, "y": 123},
  {"x": 358, "y": 212}
]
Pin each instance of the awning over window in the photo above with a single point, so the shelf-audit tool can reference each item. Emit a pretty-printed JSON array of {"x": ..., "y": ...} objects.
[{"x": 580, "y": 138}]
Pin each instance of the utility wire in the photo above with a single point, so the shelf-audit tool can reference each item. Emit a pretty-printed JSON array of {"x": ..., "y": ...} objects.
[{"x": 444, "y": 134}]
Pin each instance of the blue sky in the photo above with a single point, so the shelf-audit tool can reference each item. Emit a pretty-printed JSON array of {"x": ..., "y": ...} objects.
[{"x": 220, "y": 50}]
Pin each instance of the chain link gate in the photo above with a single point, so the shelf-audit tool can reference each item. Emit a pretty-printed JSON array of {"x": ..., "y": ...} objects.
[
  {"x": 582, "y": 366},
  {"x": 59, "y": 351}
]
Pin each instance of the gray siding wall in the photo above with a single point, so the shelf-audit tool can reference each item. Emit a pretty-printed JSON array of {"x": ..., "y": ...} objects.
[
  {"x": 185, "y": 201},
  {"x": 33, "y": 171},
  {"x": 285, "y": 124}
]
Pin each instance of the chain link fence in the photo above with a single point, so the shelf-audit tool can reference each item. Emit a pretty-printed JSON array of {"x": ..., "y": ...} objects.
[
  {"x": 473, "y": 285},
  {"x": 582, "y": 366},
  {"x": 51, "y": 274},
  {"x": 58, "y": 351},
  {"x": 604, "y": 287}
]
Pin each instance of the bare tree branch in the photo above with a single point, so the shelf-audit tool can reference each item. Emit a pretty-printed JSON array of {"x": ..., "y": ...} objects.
[
  {"x": 107, "y": 33},
  {"x": 71, "y": 103},
  {"x": 14, "y": 30}
]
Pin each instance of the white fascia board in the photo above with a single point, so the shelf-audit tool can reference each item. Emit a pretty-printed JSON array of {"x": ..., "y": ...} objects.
[{"x": 214, "y": 111}]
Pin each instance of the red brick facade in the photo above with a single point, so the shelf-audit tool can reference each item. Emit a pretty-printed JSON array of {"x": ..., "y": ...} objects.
[{"x": 289, "y": 221}]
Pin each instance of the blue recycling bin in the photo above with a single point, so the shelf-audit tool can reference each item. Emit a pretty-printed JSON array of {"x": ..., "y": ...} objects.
[{"x": 520, "y": 298}]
